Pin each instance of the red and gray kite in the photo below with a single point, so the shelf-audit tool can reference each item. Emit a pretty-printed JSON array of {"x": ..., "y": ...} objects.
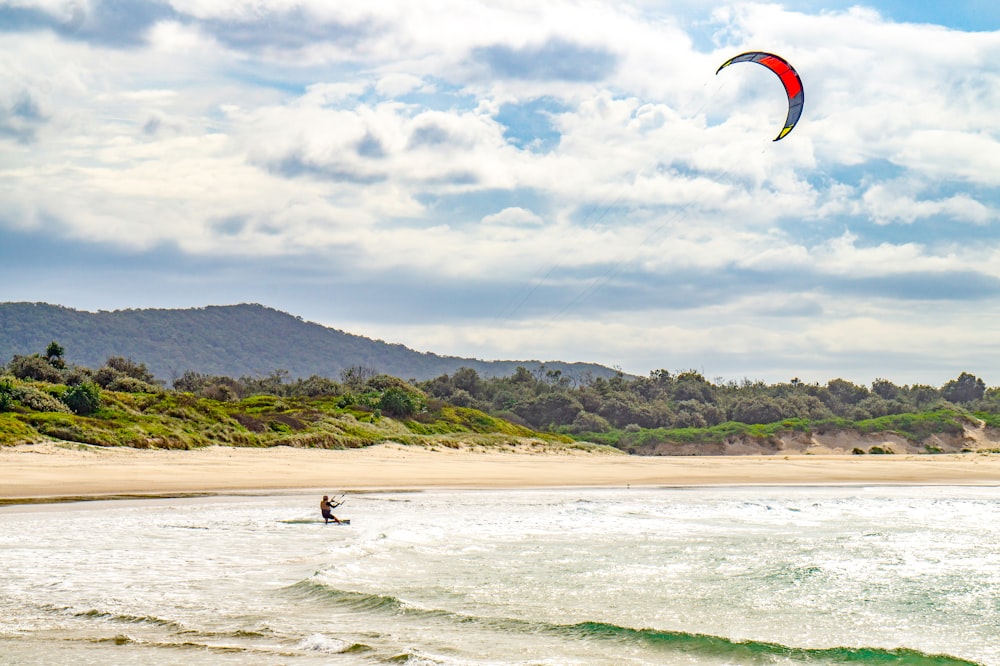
[{"x": 789, "y": 78}]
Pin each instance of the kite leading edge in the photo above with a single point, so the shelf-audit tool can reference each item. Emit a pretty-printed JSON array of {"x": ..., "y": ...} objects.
[{"x": 789, "y": 78}]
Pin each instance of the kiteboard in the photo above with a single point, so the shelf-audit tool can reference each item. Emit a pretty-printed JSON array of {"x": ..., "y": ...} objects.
[{"x": 343, "y": 521}]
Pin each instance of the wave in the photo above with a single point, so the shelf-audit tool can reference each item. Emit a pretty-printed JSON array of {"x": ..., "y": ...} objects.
[
  {"x": 356, "y": 601},
  {"x": 125, "y": 639},
  {"x": 322, "y": 643},
  {"x": 130, "y": 619},
  {"x": 234, "y": 633},
  {"x": 316, "y": 643},
  {"x": 689, "y": 644},
  {"x": 221, "y": 642},
  {"x": 760, "y": 651},
  {"x": 176, "y": 627}
]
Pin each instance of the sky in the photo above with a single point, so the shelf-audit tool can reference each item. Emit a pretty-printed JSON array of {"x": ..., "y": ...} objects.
[{"x": 519, "y": 180}]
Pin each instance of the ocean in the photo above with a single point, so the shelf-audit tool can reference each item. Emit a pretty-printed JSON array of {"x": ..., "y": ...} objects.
[{"x": 709, "y": 575}]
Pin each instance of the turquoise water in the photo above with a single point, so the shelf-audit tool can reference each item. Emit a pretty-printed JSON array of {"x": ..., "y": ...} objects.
[{"x": 783, "y": 575}]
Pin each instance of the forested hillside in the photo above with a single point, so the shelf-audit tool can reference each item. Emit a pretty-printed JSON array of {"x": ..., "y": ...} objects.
[{"x": 230, "y": 340}]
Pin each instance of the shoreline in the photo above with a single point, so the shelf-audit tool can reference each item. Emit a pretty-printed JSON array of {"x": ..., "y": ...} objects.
[{"x": 49, "y": 473}]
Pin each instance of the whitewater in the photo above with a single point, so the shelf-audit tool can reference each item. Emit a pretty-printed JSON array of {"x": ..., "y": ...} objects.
[{"x": 709, "y": 575}]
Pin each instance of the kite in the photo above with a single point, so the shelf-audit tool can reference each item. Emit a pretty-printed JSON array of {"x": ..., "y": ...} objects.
[{"x": 789, "y": 78}]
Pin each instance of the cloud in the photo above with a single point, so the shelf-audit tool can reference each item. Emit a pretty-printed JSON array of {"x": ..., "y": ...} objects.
[
  {"x": 555, "y": 60},
  {"x": 515, "y": 179},
  {"x": 895, "y": 202},
  {"x": 21, "y": 118},
  {"x": 284, "y": 29},
  {"x": 515, "y": 217},
  {"x": 399, "y": 84},
  {"x": 294, "y": 165},
  {"x": 114, "y": 23}
]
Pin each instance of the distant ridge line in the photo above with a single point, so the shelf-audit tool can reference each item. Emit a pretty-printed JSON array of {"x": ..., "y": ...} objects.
[{"x": 246, "y": 339}]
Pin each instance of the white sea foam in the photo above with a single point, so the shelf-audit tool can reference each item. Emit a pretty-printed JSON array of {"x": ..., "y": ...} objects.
[
  {"x": 322, "y": 643},
  {"x": 602, "y": 576}
]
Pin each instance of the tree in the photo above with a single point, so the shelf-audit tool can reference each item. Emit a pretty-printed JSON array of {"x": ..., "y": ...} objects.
[
  {"x": 223, "y": 389},
  {"x": 386, "y": 382},
  {"x": 922, "y": 395},
  {"x": 191, "y": 381},
  {"x": 805, "y": 406},
  {"x": 555, "y": 378},
  {"x": 272, "y": 384},
  {"x": 756, "y": 409},
  {"x": 885, "y": 389},
  {"x": 466, "y": 379},
  {"x": 314, "y": 386},
  {"x": 355, "y": 376},
  {"x": 550, "y": 408},
  {"x": 692, "y": 386},
  {"x": 522, "y": 376},
  {"x": 846, "y": 392},
  {"x": 622, "y": 409},
  {"x": 130, "y": 368},
  {"x": 461, "y": 398},
  {"x": 696, "y": 414},
  {"x": 966, "y": 388},
  {"x": 124, "y": 374},
  {"x": 54, "y": 355},
  {"x": 585, "y": 422}
]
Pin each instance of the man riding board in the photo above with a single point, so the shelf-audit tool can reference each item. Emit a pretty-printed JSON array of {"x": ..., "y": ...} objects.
[{"x": 326, "y": 507}]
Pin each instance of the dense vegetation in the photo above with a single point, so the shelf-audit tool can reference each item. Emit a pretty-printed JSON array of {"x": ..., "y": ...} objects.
[
  {"x": 638, "y": 414},
  {"x": 546, "y": 399},
  {"x": 122, "y": 403},
  {"x": 231, "y": 340}
]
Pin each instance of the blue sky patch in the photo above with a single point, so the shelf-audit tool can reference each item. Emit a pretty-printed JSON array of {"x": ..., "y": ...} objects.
[{"x": 529, "y": 125}]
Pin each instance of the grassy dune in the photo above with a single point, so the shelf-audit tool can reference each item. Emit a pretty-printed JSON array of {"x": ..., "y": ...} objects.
[{"x": 175, "y": 420}]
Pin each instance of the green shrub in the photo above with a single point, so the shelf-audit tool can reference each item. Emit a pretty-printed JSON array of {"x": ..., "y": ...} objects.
[
  {"x": 587, "y": 422},
  {"x": 6, "y": 395},
  {"x": 127, "y": 384},
  {"x": 35, "y": 367},
  {"x": 39, "y": 401},
  {"x": 398, "y": 402},
  {"x": 83, "y": 399}
]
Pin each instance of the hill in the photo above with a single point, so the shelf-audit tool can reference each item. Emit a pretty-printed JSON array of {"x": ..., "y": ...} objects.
[{"x": 231, "y": 340}]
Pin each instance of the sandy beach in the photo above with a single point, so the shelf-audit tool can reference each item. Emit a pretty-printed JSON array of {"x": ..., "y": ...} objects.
[{"x": 46, "y": 471}]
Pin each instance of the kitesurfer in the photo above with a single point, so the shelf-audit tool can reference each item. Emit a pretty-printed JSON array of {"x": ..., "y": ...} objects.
[{"x": 326, "y": 507}]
